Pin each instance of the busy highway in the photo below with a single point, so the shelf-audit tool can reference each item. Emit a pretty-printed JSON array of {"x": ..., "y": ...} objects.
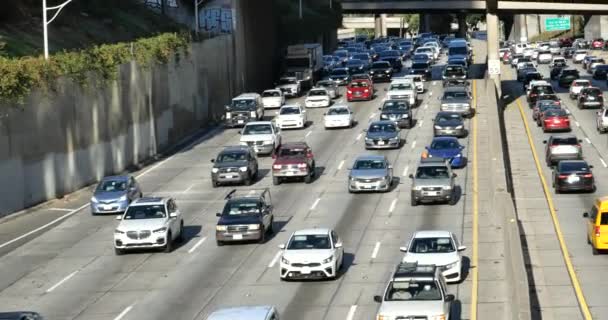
[{"x": 77, "y": 271}]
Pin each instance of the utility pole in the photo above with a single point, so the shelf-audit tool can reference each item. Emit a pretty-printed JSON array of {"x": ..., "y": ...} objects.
[
  {"x": 46, "y": 22},
  {"x": 300, "y": 9},
  {"x": 197, "y": 21}
]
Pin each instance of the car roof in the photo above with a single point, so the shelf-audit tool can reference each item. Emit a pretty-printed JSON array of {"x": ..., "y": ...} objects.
[
  {"x": 246, "y": 312},
  {"x": 370, "y": 157},
  {"x": 444, "y": 139},
  {"x": 258, "y": 122},
  {"x": 432, "y": 234},
  {"x": 377, "y": 122},
  {"x": 235, "y": 148},
  {"x": 247, "y": 95},
  {"x": 312, "y": 231},
  {"x": 117, "y": 177},
  {"x": 149, "y": 201},
  {"x": 294, "y": 145}
]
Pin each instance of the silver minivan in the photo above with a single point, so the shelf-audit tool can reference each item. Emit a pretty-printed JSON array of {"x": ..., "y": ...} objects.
[{"x": 245, "y": 313}]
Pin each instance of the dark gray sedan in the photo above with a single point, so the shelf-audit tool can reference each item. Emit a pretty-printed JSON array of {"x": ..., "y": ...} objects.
[
  {"x": 370, "y": 173},
  {"x": 382, "y": 134},
  {"x": 448, "y": 123},
  {"x": 114, "y": 194}
]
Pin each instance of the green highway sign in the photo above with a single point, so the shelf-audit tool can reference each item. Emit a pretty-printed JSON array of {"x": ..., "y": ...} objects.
[{"x": 557, "y": 24}]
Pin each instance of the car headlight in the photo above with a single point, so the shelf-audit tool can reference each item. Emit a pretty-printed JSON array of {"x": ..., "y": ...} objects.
[
  {"x": 228, "y": 115},
  {"x": 458, "y": 155},
  {"x": 94, "y": 200},
  {"x": 417, "y": 188},
  {"x": 451, "y": 265},
  {"x": 438, "y": 317},
  {"x": 387, "y": 71},
  {"x": 438, "y": 127},
  {"x": 394, "y": 139},
  {"x": 459, "y": 127},
  {"x": 220, "y": 228},
  {"x": 368, "y": 139},
  {"x": 243, "y": 169},
  {"x": 118, "y": 231},
  {"x": 268, "y": 142},
  {"x": 383, "y": 116},
  {"x": 243, "y": 143},
  {"x": 285, "y": 261},
  {"x": 215, "y": 170},
  {"x": 160, "y": 230},
  {"x": 383, "y": 317},
  {"x": 446, "y": 187},
  {"x": 405, "y": 115},
  {"x": 328, "y": 260},
  {"x": 443, "y": 105},
  {"x": 253, "y": 226},
  {"x": 252, "y": 114},
  {"x": 351, "y": 178},
  {"x": 123, "y": 198},
  {"x": 371, "y": 71}
]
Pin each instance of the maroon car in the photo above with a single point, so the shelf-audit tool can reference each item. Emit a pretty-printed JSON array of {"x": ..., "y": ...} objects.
[{"x": 293, "y": 160}]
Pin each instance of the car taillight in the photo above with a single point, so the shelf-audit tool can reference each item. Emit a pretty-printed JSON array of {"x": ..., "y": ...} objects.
[
  {"x": 597, "y": 231},
  {"x": 366, "y": 90},
  {"x": 532, "y": 95},
  {"x": 588, "y": 175},
  {"x": 349, "y": 92},
  {"x": 310, "y": 155},
  {"x": 563, "y": 176},
  {"x": 277, "y": 166},
  {"x": 302, "y": 165}
]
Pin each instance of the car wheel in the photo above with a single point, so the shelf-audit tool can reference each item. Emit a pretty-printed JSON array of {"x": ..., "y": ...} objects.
[
  {"x": 169, "y": 246},
  {"x": 118, "y": 252},
  {"x": 308, "y": 179},
  {"x": 248, "y": 180},
  {"x": 276, "y": 181},
  {"x": 215, "y": 184},
  {"x": 594, "y": 251},
  {"x": 219, "y": 243},
  {"x": 180, "y": 238},
  {"x": 262, "y": 238},
  {"x": 271, "y": 227}
]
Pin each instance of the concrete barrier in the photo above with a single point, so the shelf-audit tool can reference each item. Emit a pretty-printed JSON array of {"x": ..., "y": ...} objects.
[{"x": 61, "y": 141}]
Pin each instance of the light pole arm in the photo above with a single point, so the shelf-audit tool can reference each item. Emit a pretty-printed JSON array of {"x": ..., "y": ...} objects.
[
  {"x": 46, "y": 22},
  {"x": 58, "y": 8}
]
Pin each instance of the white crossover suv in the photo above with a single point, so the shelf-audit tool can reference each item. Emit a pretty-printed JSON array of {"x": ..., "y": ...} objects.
[
  {"x": 317, "y": 98},
  {"x": 291, "y": 116},
  {"x": 149, "y": 223},
  {"x": 311, "y": 254},
  {"x": 338, "y": 116}
]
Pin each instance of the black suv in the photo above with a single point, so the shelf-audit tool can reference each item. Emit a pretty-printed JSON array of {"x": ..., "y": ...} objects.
[
  {"x": 236, "y": 164},
  {"x": 423, "y": 69},
  {"x": 454, "y": 72},
  {"x": 247, "y": 216},
  {"x": 537, "y": 91},
  {"x": 567, "y": 76},
  {"x": 398, "y": 111},
  {"x": 590, "y": 97},
  {"x": 381, "y": 71}
]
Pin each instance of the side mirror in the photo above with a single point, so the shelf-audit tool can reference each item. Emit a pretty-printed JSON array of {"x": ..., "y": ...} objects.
[
  {"x": 364, "y": 130},
  {"x": 390, "y": 166},
  {"x": 212, "y": 160},
  {"x": 119, "y": 217},
  {"x": 380, "y": 109},
  {"x": 579, "y": 140},
  {"x": 585, "y": 214},
  {"x": 449, "y": 298},
  {"x": 462, "y": 248},
  {"x": 378, "y": 299},
  {"x": 411, "y": 176},
  {"x": 239, "y": 132},
  {"x": 173, "y": 215},
  {"x": 454, "y": 175},
  {"x": 338, "y": 245},
  {"x": 403, "y": 249},
  {"x": 218, "y": 214},
  {"x": 282, "y": 246},
  {"x": 545, "y": 141},
  {"x": 461, "y": 147},
  {"x": 590, "y": 166},
  {"x": 276, "y": 112}
]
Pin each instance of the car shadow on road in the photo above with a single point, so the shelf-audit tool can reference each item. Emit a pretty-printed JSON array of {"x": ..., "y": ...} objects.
[
  {"x": 465, "y": 269},
  {"x": 190, "y": 232},
  {"x": 456, "y": 310},
  {"x": 262, "y": 173}
]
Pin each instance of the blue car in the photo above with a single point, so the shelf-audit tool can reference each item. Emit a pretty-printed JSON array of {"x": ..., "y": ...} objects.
[{"x": 447, "y": 148}]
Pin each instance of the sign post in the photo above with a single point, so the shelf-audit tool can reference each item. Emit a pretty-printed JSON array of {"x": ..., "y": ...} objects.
[{"x": 557, "y": 24}]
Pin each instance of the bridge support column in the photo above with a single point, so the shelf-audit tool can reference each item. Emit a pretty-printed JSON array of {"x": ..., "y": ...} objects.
[
  {"x": 493, "y": 42},
  {"x": 425, "y": 23},
  {"x": 462, "y": 25},
  {"x": 596, "y": 27},
  {"x": 380, "y": 25},
  {"x": 520, "y": 28}
]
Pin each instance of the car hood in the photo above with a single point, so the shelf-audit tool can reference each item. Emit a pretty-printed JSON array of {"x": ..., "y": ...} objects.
[
  {"x": 234, "y": 220},
  {"x": 337, "y": 117},
  {"x": 413, "y": 308},
  {"x": 108, "y": 196},
  {"x": 380, "y": 69},
  {"x": 335, "y": 77},
  {"x": 317, "y": 98},
  {"x": 399, "y": 92},
  {"x": 307, "y": 255},
  {"x": 289, "y": 116},
  {"x": 230, "y": 164},
  {"x": 381, "y": 135},
  {"x": 438, "y": 259},
  {"x": 368, "y": 173},
  {"x": 141, "y": 224},
  {"x": 256, "y": 137},
  {"x": 444, "y": 153},
  {"x": 287, "y": 86},
  {"x": 454, "y": 101},
  {"x": 450, "y": 123}
]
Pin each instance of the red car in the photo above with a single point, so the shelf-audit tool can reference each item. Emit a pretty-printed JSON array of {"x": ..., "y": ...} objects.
[
  {"x": 359, "y": 90},
  {"x": 597, "y": 43},
  {"x": 293, "y": 160},
  {"x": 555, "y": 120},
  {"x": 506, "y": 57}
]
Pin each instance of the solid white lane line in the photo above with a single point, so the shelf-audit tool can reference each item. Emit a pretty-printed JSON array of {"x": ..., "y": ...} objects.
[
  {"x": 308, "y": 133},
  {"x": 63, "y": 217},
  {"x": 198, "y": 244},
  {"x": 62, "y": 281},
  {"x": 420, "y": 124},
  {"x": 61, "y": 209},
  {"x": 275, "y": 259},
  {"x": 434, "y": 82},
  {"x": 351, "y": 312},
  {"x": 359, "y": 136},
  {"x": 371, "y": 116},
  {"x": 340, "y": 165},
  {"x": 251, "y": 192},
  {"x": 588, "y": 141},
  {"x": 189, "y": 188},
  {"x": 124, "y": 312},
  {"x": 426, "y": 106},
  {"x": 431, "y": 93},
  {"x": 393, "y": 205},
  {"x": 603, "y": 163},
  {"x": 376, "y": 249},
  {"x": 577, "y": 124},
  {"x": 314, "y": 205},
  {"x": 414, "y": 144},
  {"x": 405, "y": 170}
]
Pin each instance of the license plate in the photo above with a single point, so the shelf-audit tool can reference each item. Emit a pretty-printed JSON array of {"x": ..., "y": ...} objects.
[
  {"x": 289, "y": 173},
  {"x": 108, "y": 207},
  {"x": 591, "y": 98},
  {"x": 430, "y": 193},
  {"x": 380, "y": 143},
  {"x": 573, "y": 179},
  {"x": 305, "y": 270},
  {"x": 449, "y": 131},
  {"x": 240, "y": 121},
  {"x": 367, "y": 187},
  {"x": 229, "y": 177},
  {"x": 237, "y": 236}
]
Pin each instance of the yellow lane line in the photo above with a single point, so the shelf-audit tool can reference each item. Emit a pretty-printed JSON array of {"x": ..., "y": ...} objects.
[
  {"x": 558, "y": 230},
  {"x": 474, "y": 263}
]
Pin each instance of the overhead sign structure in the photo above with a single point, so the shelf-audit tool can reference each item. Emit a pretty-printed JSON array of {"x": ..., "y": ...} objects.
[{"x": 557, "y": 24}]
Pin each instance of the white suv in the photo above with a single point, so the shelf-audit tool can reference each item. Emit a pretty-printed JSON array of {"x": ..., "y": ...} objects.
[
  {"x": 149, "y": 223},
  {"x": 440, "y": 248},
  {"x": 311, "y": 254},
  {"x": 577, "y": 86},
  {"x": 403, "y": 89},
  {"x": 602, "y": 120},
  {"x": 263, "y": 136}
]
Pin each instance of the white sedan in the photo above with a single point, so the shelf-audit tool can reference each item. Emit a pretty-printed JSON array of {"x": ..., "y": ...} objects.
[
  {"x": 317, "y": 98},
  {"x": 440, "y": 248},
  {"x": 338, "y": 116},
  {"x": 273, "y": 98},
  {"x": 311, "y": 254},
  {"x": 291, "y": 116}
]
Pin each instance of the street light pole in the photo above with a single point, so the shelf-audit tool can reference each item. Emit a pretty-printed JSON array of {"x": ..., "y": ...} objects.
[
  {"x": 300, "y": 9},
  {"x": 197, "y": 22},
  {"x": 46, "y": 22}
]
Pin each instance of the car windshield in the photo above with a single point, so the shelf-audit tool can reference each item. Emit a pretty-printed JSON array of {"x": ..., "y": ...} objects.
[
  {"x": 145, "y": 212},
  {"x": 354, "y": 63},
  {"x": 231, "y": 157},
  {"x": 317, "y": 93},
  {"x": 450, "y": 95},
  {"x": 395, "y": 105},
  {"x": 581, "y": 83},
  {"x": 382, "y": 127},
  {"x": 309, "y": 241},
  {"x": 564, "y": 141},
  {"x": 243, "y": 104},
  {"x": 267, "y": 94},
  {"x": 569, "y": 72},
  {"x": 432, "y": 172},
  {"x": 381, "y": 65},
  {"x": 289, "y": 110},
  {"x": 339, "y": 72},
  {"x": 401, "y": 86},
  {"x": 542, "y": 90},
  {"x": 594, "y": 91},
  {"x": 257, "y": 129},
  {"x": 361, "y": 56},
  {"x": 555, "y": 113},
  {"x": 447, "y": 117},
  {"x": 568, "y": 166},
  {"x": 359, "y": 84},
  {"x": 412, "y": 291},
  {"x": 241, "y": 207},
  {"x": 369, "y": 164},
  {"x": 292, "y": 152},
  {"x": 420, "y": 57},
  {"x": 288, "y": 81},
  {"x": 444, "y": 144},
  {"x": 453, "y": 70},
  {"x": 112, "y": 185},
  {"x": 419, "y": 65},
  {"x": 337, "y": 111},
  {"x": 431, "y": 245}
]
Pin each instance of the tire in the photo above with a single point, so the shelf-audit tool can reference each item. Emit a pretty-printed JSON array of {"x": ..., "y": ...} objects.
[
  {"x": 169, "y": 246},
  {"x": 248, "y": 180},
  {"x": 271, "y": 227},
  {"x": 594, "y": 251},
  {"x": 262, "y": 239},
  {"x": 219, "y": 243},
  {"x": 276, "y": 181},
  {"x": 180, "y": 238},
  {"x": 118, "y": 252},
  {"x": 588, "y": 240},
  {"x": 215, "y": 184}
]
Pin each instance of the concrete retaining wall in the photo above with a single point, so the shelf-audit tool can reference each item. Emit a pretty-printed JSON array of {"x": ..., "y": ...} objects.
[{"x": 60, "y": 142}]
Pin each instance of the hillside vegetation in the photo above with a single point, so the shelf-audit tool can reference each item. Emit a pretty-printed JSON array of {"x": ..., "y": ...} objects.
[{"x": 82, "y": 23}]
